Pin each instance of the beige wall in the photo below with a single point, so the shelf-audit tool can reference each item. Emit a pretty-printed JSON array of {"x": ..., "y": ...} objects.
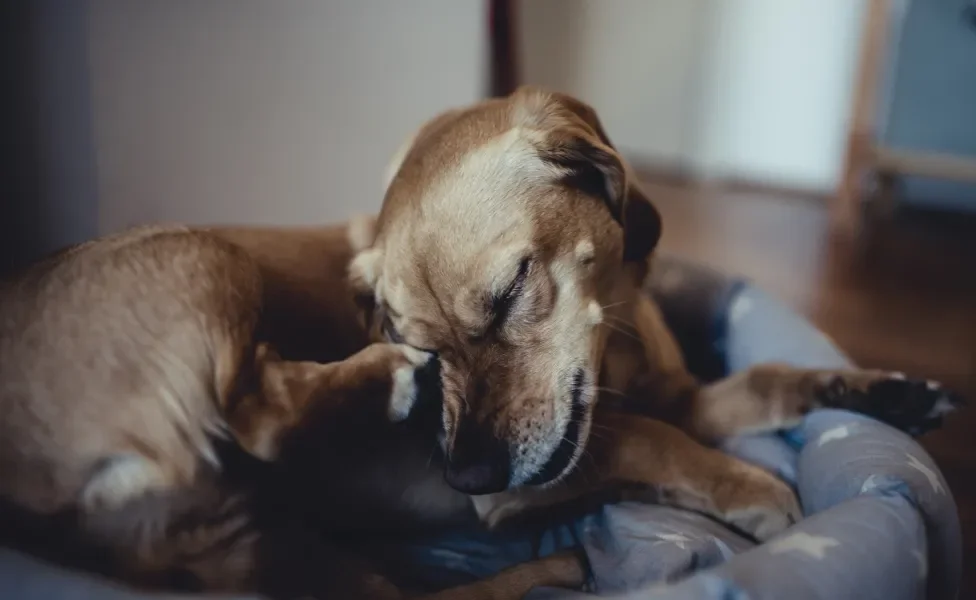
[
  {"x": 636, "y": 61},
  {"x": 254, "y": 111},
  {"x": 779, "y": 81},
  {"x": 758, "y": 89},
  {"x": 257, "y": 111}
]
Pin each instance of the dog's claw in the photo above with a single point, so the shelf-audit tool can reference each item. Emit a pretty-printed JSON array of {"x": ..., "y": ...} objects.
[
  {"x": 915, "y": 406},
  {"x": 834, "y": 390}
]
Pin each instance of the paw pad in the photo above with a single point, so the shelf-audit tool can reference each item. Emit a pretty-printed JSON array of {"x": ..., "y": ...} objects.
[{"x": 912, "y": 405}]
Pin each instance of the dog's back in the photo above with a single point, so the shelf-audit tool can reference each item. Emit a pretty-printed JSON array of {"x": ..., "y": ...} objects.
[{"x": 113, "y": 355}]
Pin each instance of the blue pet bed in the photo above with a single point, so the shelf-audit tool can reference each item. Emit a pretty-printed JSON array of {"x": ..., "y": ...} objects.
[{"x": 880, "y": 521}]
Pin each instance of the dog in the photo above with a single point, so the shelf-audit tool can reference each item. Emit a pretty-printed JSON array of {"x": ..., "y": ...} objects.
[
  {"x": 514, "y": 244},
  {"x": 125, "y": 362},
  {"x": 507, "y": 264}
]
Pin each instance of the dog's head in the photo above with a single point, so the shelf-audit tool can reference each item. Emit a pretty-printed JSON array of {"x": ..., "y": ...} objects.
[{"x": 505, "y": 234}]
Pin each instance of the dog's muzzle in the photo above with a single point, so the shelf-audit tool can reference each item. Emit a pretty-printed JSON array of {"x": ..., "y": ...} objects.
[{"x": 562, "y": 457}]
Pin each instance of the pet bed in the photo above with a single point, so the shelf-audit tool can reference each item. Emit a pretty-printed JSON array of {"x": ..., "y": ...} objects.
[{"x": 880, "y": 521}]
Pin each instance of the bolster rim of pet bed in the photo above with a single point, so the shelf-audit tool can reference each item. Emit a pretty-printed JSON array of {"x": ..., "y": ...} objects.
[{"x": 881, "y": 522}]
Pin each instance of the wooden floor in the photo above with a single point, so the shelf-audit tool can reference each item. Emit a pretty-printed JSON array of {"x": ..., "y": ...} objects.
[{"x": 904, "y": 298}]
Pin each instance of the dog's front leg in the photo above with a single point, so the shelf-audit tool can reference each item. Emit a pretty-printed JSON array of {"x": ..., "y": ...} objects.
[
  {"x": 649, "y": 459},
  {"x": 564, "y": 570},
  {"x": 768, "y": 396},
  {"x": 296, "y": 564},
  {"x": 773, "y": 396},
  {"x": 377, "y": 383}
]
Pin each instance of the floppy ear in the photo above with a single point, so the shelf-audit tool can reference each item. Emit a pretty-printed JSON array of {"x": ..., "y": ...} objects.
[
  {"x": 363, "y": 272},
  {"x": 576, "y": 142},
  {"x": 363, "y": 275}
]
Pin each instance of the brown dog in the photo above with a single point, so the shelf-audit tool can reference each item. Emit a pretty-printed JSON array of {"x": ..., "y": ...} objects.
[
  {"x": 512, "y": 244},
  {"x": 125, "y": 361}
]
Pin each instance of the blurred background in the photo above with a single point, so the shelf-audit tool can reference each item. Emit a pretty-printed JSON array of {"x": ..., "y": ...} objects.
[{"x": 825, "y": 148}]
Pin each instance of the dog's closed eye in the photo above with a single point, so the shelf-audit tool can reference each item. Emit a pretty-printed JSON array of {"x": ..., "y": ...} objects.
[{"x": 500, "y": 305}]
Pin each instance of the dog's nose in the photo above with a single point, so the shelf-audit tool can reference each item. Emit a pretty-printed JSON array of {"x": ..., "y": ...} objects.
[{"x": 478, "y": 463}]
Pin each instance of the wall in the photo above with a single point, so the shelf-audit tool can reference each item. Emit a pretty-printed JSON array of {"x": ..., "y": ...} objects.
[
  {"x": 252, "y": 111},
  {"x": 753, "y": 89},
  {"x": 48, "y": 185},
  {"x": 779, "y": 88},
  {"x": 933, "y": 108},
  {"x": 636, "y": 61}
]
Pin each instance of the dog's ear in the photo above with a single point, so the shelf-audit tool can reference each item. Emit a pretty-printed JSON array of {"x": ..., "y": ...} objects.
[
  {"x": 362, "y": 272},
  {"x": 574, "y": 140},
  {"x": 361, "y": 233},
  {"x": 363, "y": 275}
]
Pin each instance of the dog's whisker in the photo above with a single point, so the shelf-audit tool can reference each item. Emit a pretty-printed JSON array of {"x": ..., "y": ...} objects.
[
  {"x": 594, "y": 427},
  {"x": 609, "y": 391},
  {"x": 622, "y": 322},
  {"x": 621, "y": 331},
  {"x": 586, "y": 478},
  {"x": 599, "y": 436},
  {"x": 614, "y": 304},
  {"x": 614, "y": 324},
  {"x": 583, "y": 453}
]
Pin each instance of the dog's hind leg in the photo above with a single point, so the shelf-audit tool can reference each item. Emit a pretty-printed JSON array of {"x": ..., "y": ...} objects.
[
  {"x": 213, "y": 543},
  {"x": 197, "y": 536},
  {"x": 123, "y": 478}
]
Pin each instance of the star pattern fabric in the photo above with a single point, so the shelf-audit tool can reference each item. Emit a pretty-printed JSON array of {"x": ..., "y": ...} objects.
[
  {"x": 814, "y": 546},
  {"x": 933, "y": 478},
  {"x": 837, "y": 433}
]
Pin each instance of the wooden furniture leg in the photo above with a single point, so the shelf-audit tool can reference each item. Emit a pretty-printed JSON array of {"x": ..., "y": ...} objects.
[{"x": 846, "y": 214}]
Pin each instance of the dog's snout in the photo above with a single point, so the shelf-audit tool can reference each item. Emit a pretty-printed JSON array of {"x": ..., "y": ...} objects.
[{"x": 479, "y": 462}]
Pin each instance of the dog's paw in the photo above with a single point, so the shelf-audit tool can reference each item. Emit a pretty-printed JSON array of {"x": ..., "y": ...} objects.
[
  {"x": 912, "y": 405},
  {"x": 762, "y": 505},
  {"x": 408, "y": 371},
  {"x": 406, "y": 388}
]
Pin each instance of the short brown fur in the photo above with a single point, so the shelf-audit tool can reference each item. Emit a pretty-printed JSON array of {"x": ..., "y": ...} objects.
[
  {"x": 535, "y": 177},
  {"x": 123, "y": 360},
  {"x": 126, "y": 360}
]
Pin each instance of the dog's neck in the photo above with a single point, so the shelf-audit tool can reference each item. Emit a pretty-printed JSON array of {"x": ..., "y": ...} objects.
[{"x": 641, "y": 355}]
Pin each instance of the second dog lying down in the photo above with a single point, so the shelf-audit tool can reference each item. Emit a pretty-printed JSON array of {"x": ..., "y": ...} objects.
[
  {"x": 127, "y": 359},
  {"x": 512, "y": 245}
]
